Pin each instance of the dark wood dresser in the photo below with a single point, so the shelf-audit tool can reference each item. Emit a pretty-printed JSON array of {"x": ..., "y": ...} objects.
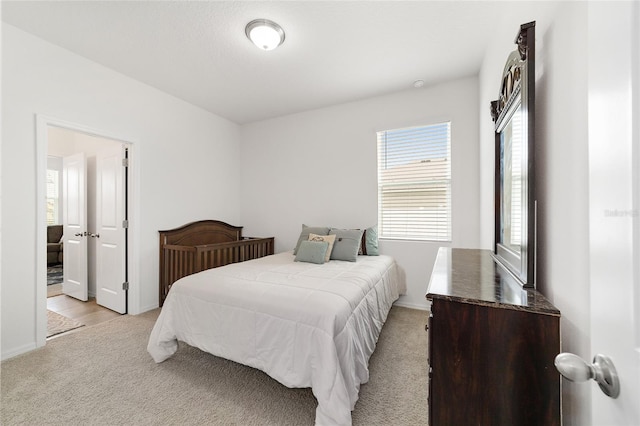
[{"x": 492, "y": 345}]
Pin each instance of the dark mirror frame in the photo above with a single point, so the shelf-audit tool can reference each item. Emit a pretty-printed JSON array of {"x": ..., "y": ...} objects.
[{"x": 517, "y": 90}]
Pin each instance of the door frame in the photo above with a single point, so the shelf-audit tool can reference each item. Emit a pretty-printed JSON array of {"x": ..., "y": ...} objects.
[{"x": 43, "y": 122}]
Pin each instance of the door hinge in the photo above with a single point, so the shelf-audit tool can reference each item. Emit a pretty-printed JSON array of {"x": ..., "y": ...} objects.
[
  {"x": 125, "y": 224},
  {"x": 125, "y": 285},
  {"x": 125, "y": 162}
]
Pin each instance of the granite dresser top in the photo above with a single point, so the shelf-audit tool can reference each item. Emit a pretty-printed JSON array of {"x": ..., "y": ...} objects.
[{"x": 474, "y": 276}]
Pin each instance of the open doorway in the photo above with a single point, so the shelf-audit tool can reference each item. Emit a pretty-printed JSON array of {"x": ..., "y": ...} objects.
[{"x": 89, "y": 201}]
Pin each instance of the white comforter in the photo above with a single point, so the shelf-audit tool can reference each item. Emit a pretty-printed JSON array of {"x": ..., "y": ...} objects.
[{"x": 305, "y": 325}]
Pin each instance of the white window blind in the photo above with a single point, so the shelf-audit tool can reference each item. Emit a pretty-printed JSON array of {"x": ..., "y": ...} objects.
[
  {"x": 414, "y": 183},
  {"x": 52, "y": 196},
  {"x": 516, "y": 179}
]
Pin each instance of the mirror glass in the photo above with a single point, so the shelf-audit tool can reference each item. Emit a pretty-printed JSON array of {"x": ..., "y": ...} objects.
[{"x": 511, "y": 180}]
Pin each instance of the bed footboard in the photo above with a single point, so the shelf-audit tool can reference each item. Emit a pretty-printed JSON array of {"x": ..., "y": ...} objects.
[{"x": 204, "y": 245}]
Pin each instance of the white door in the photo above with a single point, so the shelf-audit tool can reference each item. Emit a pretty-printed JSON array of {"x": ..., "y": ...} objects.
[
  {"x": 74, "y": 220},
  {"x": 110, "y": 231},
  {"x": 614, "y": 196}
]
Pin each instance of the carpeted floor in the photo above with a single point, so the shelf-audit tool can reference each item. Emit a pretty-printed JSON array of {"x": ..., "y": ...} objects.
[{"x": 104, "y": 375}]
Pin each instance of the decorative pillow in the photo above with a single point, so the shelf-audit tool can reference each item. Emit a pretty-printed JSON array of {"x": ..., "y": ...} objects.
[
  {"x": 312, "y": 252},
  {"x": 369, "y": 243},
  {"x": 306, "y": 230},
  {"x": 346, "y": 245},
  {"x": 327, "y": 238}
]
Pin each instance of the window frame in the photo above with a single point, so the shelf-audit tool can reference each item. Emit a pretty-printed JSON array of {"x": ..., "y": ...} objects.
[
  {"x": 439, "y": 233},
  {"x": 54, "y": 199}
]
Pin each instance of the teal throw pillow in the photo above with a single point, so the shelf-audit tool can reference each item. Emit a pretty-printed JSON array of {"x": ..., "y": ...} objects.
[
  {"x": 312, "y": 252},
  {"x": 371, "y": 241},
  {"x": 306, "y": 230},
  {"x": 346, "y": 245}
]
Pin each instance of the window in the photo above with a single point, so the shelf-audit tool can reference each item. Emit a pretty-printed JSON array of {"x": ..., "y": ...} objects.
[
  {"x": 414, "y": 183},
  {"x": 53, "y": 196},
  {"x": 512, "y": 182}
]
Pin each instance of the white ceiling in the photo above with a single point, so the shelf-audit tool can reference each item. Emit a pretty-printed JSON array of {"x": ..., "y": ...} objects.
[{"x": 334, "y": 51}]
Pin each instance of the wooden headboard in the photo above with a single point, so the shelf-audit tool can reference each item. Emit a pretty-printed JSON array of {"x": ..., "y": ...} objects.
[{"x": 201, "y": 232}]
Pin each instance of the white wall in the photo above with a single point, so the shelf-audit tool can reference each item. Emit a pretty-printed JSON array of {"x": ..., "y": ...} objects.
[
  {"x": 187, "y": 159},
  {"x": 561, "y": 172},
  {"x": 320, "y": 168}
]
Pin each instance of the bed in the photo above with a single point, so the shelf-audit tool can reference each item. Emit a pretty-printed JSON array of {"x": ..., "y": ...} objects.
[
  {"x": 304, "y": 324},
  {"x": 202, "y": 245}
]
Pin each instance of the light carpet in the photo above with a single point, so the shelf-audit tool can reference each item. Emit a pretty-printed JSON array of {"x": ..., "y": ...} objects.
[{"x": 103, "y": 375}]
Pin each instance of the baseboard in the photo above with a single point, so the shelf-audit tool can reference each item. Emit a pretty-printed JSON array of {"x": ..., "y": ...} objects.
[
  {"x": 412, "y": 306},
  {"x": 148, "y": 308},
  {"x": 18, "y": 351}
]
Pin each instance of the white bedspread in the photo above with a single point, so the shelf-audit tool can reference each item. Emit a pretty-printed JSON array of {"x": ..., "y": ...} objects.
[{"x": 305, "y": 325}]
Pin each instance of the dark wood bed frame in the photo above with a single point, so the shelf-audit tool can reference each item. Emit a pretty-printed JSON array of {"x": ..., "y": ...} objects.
[{"x": 202, "y": 245}]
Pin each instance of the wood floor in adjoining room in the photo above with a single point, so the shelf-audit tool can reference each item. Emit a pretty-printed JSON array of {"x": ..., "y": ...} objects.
[{"x": 88, "y": 313}]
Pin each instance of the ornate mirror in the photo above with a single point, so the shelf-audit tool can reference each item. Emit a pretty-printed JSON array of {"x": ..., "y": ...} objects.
[{"x": 513, "y": 115}]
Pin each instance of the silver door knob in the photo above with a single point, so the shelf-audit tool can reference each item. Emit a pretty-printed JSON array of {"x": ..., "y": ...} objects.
[
  {"x": 94, "y": 235},
  {"x": 575, "y": 369}
]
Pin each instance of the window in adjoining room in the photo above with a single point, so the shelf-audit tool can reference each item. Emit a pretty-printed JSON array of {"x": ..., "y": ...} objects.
[
  {"x": 414, "y": 183},
  {"x": 53, "y": 197}
]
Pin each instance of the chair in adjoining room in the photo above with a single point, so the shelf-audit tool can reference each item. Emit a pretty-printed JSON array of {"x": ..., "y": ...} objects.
[{"x": 54, "y": 244}]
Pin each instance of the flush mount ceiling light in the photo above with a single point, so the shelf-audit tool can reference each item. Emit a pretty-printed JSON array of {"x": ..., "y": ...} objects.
[{"x": 265, "y": 34}]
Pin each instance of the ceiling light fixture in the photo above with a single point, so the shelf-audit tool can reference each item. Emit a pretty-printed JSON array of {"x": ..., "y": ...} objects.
[
  {"x": 265, "y": 34},
  {"x": 418, "y": 84}
]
